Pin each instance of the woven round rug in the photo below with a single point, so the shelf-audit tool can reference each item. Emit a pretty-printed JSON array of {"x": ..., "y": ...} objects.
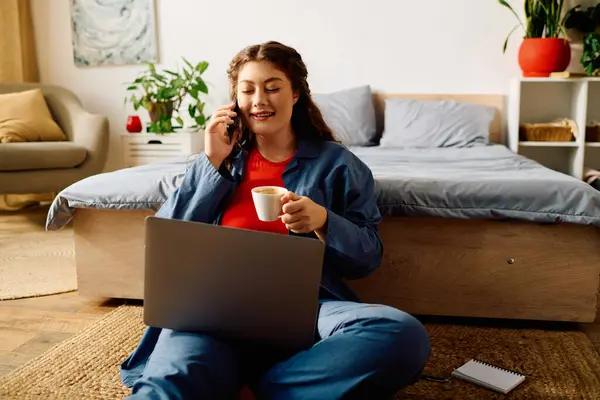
[
  {"x": 34, "y": 262},
  {"x": 558, "y": 365}
]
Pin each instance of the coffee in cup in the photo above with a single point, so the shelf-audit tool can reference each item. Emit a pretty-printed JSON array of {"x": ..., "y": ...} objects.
[
  {"x": 266, "y": 190},
  {"x": 267, "y": 202}
]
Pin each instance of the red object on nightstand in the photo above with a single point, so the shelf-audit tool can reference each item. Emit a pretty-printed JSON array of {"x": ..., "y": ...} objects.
[{"x": 134, "y": 124}]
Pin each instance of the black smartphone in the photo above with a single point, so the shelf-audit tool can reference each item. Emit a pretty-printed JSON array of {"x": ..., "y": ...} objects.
[{"x": 236, "y": 123}]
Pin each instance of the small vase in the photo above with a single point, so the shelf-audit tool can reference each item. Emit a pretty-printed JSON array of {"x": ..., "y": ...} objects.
[{"x": 134, "y": 125}]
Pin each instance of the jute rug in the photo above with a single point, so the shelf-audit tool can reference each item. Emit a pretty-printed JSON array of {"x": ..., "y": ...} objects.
[
  {"x": 34, "y": 262},
  {"x": 558, "y": 365}
]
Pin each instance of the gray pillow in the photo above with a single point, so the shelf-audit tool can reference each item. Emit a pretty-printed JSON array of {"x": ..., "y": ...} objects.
[
  {"x": 429, "y": 123},
  {"x": 350, "y": 114}
]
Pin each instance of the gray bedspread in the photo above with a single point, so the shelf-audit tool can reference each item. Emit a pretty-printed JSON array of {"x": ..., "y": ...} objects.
[{"x": 478, "y": 182}]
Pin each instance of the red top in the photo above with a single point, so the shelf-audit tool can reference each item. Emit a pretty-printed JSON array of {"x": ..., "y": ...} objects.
[{"x": 241, "y": 213}]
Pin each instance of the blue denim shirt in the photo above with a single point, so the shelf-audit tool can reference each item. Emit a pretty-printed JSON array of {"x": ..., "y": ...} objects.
[{"x": 326, "y": 172}]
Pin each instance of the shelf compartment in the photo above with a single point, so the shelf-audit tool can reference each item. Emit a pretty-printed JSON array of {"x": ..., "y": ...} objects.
[
  {"x": 545, "y": 101},
  {"x": 559, "y": 158},
  {"x": 592, "y": 155},
  {"x": 593, "y": 103}
]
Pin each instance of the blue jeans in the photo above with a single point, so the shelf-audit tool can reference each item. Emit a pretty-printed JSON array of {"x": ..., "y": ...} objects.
[{"x": 362, "y": 351}]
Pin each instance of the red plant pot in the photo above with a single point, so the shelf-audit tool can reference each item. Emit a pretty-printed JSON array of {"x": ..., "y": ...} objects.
[
  {"x": 134, "y": 124},
  {"x": 538, "y": 57}
]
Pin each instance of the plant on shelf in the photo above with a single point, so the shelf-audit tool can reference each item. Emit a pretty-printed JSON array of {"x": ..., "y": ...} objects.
[
  {"x": 161, "y": 93},
  {"x": 543, "y": 50},
  {"x": 587, "y": 22}
]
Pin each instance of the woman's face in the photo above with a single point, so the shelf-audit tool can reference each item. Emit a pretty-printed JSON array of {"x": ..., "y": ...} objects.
[{"x": 265, "y": 97}]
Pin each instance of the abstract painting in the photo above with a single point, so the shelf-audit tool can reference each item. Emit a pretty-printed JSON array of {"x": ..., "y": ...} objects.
[{"x": 113, "y": 32}]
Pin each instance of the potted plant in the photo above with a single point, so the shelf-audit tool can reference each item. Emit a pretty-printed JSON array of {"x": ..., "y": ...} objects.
[
  {"x": 587, "y": 23},
  {"x": 542, "y": 51},
  {"x": 162, "y": 92}
]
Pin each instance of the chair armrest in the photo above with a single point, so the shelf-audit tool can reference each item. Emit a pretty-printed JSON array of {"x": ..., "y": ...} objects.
[
  {"x": 92, "y": 132},
  {"x": 83, "y": 128}
]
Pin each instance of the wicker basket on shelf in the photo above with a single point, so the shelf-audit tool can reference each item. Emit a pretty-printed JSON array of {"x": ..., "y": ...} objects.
[
  {"x": 592, "y": 133},
  {"x": 563, "y": 130}
]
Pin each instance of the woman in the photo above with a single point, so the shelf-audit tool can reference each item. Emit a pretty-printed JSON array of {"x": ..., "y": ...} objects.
[{"x": 360, "y": 350}]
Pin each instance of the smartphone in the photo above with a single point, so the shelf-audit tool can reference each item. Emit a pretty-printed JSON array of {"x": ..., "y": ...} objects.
[{"x": 236, "y": 123}]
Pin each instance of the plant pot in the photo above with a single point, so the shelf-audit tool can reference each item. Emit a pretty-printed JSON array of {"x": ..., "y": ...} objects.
[
  {"x": 160, "y": 109},
  {"x": 538, "y": 57}
]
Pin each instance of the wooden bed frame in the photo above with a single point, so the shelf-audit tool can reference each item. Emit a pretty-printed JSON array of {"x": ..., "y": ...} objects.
[{"x": 431, "y": 266}]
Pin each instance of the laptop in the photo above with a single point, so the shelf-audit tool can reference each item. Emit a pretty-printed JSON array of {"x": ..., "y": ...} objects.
[{"x": 232, "y": 283}]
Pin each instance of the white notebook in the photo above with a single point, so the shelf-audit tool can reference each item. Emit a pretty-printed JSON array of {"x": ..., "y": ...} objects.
[{"x": 489, "y": 376}]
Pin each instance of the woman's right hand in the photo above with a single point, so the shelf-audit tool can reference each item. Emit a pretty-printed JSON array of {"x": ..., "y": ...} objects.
[{"x": 216, "y": 142}]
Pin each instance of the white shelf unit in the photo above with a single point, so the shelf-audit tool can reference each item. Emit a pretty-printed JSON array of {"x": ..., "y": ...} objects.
[
  {"x": 147, "y": 148},
  {"x": 533, "y": 100}
]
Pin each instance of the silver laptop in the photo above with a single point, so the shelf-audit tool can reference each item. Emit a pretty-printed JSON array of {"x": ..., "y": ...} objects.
[{"x": 233, "y": 283}]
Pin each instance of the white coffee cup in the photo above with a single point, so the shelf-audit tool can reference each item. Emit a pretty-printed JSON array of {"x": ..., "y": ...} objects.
[{"x": 267, "y": 202}]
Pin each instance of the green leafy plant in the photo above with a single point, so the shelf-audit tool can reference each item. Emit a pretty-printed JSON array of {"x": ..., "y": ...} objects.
[
  {"x": 590, "y": 59},
  {"x": 587, "y": 21},
  {"x": 543, "y": 19},
  {"x": 162, "y": 92}
]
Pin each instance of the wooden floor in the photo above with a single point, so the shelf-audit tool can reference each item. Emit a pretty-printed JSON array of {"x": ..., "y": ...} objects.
[{"x": 31, "y": 326}]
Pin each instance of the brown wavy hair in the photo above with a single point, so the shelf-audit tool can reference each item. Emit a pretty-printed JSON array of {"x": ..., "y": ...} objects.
[{"x": 307, "y": 120}]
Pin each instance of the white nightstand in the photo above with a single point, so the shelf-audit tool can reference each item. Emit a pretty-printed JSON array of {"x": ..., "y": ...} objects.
[{"x": 146, "y": 148}]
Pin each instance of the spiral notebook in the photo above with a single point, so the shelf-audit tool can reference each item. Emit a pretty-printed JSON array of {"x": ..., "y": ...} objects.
[{"x": 489, "y": 376}]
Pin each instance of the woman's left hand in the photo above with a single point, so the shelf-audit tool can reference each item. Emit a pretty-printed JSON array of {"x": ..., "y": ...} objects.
[{"x": 302, "y": 215}]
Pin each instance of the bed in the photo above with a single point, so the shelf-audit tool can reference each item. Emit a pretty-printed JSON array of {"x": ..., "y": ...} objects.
[{"x": 452, "y": 244}]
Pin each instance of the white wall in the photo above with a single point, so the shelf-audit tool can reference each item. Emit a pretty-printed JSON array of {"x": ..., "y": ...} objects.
[{"x": 419, "y": 46}]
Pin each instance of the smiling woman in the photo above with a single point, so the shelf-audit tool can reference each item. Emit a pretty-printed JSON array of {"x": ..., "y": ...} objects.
[{"x": 360, "y": 350}]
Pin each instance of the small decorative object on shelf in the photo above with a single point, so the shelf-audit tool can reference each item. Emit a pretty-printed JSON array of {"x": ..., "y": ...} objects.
[
  {"x": 134, "y": 124},
  {"x": 561, "y": 130},
  {"x": 568, "y": 74},
  {"x": 592, "y": 132}
]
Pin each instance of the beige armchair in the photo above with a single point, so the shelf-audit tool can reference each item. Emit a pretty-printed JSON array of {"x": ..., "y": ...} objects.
[{"x": 42, "y": 167}]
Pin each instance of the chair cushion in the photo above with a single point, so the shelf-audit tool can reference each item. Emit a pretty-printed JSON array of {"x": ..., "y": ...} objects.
[
  {"x": 25, "y": 117},
  {"x": 37, "y": 155}
]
